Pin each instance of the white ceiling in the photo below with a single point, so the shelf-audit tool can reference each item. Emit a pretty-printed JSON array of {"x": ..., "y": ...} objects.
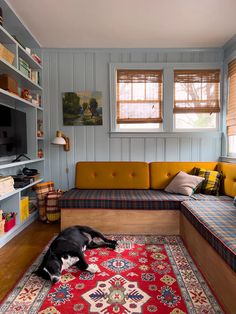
[{"x": 128, "y": 23}]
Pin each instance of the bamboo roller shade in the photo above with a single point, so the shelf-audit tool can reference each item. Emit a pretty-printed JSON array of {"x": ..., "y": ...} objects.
[
  {"x": 142, "y": 105},
  {"x": 196, "y": 104},
  {"x": 231, "y": 111}
]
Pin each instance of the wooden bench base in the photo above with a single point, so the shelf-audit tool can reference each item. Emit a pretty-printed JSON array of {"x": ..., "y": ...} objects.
[
  {"x": 218, "y": 273},
  {"x": 162, "y": 222}
]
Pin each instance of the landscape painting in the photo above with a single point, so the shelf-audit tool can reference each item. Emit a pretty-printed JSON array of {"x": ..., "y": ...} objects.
[{"x": 82, "y": 108}]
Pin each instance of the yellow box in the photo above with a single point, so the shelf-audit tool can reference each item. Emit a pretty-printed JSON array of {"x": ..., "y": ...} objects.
[
  {"x": 6, "y": 54},
  {"x": 24, "y": 208}
]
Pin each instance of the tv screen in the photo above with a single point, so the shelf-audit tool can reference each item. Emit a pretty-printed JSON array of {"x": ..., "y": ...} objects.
[{"x": 13, "y": 134}]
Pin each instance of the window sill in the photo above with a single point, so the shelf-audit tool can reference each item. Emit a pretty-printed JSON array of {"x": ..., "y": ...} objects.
[
  {"x": 165, "y": 134},
  {"x": 228, "y": 159}
]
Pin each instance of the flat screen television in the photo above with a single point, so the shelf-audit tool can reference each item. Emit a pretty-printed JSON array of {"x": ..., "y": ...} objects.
[{"x": 13, "y": 132}]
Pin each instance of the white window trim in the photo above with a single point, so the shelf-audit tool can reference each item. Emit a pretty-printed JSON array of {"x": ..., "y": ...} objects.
[{"x": 167, "y": 126}]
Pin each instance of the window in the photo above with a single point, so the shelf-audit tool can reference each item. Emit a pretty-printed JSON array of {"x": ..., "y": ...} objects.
[
  {"x": 196, "y": 99},
  {"x": 138, "y": 99},
  {"x": 231, "y": 111}
]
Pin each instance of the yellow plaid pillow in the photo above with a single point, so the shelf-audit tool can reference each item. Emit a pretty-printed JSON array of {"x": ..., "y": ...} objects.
[{"x": 211, "y": 184}]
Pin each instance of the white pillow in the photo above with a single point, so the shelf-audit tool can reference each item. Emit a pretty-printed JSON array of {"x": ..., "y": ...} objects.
[{"x": 184, "y": 183}]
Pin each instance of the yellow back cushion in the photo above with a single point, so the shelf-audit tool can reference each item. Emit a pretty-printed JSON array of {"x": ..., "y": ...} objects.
[
  {"x": 112, "y": 175},
  {"x": 229, "y": 178},
  {"x": 161, "y": 173}
]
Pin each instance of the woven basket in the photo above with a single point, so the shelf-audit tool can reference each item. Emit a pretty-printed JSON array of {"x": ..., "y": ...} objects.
[{"x": 6, "y": 54}]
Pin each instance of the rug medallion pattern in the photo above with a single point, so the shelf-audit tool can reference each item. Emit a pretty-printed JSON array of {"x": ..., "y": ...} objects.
[{"x": 145, "y": 274}]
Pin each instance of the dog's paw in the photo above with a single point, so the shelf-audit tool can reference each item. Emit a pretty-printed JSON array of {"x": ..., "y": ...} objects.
[{"x": 93, "y": 268}]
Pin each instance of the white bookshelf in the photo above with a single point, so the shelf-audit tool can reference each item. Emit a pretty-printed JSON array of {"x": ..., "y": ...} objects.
[{"x": 10, "y": 202}]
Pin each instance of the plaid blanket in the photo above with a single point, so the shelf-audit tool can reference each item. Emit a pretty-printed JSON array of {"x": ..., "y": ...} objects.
[{"x": 216, "y": 222}]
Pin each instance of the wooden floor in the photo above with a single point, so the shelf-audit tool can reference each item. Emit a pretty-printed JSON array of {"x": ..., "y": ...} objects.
[{"x": 17, "y": 255}]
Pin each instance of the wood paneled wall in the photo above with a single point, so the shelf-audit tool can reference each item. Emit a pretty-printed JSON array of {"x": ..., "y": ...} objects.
[{"x": 66, "y": 70}]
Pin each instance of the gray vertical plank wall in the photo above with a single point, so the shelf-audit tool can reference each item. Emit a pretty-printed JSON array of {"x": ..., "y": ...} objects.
[{"x": 68, "y": 70}]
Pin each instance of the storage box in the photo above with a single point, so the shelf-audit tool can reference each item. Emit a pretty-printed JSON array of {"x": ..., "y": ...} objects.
[
  {"x": 24, "y": 208},
  {"x": 10, "y": 224},
  {"x": 6, "y": 54},
  {"x": 8, "y": 83}
]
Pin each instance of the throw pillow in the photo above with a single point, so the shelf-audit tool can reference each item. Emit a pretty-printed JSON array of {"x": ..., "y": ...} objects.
[
  {"x": 211, "y": 185},
  {"x": 184, "y": 183}
]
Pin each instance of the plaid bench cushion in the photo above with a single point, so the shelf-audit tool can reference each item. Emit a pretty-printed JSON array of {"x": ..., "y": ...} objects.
[
  {"x": 121, "y": 199},
  {"x": 216, "y": 222}
]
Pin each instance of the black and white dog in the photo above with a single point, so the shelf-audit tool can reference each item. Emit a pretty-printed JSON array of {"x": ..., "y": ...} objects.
[{"x": 67, "y": 249}]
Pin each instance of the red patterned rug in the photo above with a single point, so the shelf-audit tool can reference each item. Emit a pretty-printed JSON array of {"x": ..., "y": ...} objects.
[{"x": 146, "y": 274}]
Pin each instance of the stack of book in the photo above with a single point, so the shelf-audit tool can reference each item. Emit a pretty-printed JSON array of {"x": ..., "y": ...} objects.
[
  {"x": 6, "y": 185},
  {"x": 24, "y": 67}
]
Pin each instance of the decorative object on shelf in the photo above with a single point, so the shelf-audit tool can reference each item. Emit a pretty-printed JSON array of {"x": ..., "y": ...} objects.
[
  {"x": 35, "y": 76},
  {"x": 6, "y": 54},
  {"x": 25, "y": 94},
  {"x": 40, "y": 153},
  {"x": 8, "y": 83},
  {"x": 62, "y": 139},
  {"x": 10, "y": 221},
  {"x": 40, "y": 128},
  {"x": 28, "y": 50},
  {"x": 82, "y": 108},
  {"x": 36, "y": 58},
  {"x": 36, "y": 99},
  {"x": 6, "y": 185}
]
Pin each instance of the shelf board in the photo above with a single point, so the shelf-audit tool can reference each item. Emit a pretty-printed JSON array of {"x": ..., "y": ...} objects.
[
  {"x": 20, "y": 163},
  {"x": 14, "y": 100},
  {"x": 5, "y": 237},
  {"x": 22, "y": 80},
  {"x": 7, "y": 195},
  {"x": 5, "y": 37},
  {"x": 28, "y": 58}
]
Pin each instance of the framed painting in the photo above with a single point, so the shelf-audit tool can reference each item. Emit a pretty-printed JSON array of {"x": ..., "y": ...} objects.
[{"x": 82, "y": 108}]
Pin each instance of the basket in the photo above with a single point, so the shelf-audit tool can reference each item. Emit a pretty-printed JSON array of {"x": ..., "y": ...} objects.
[
  {"x": 6, "y": 54},
  {"x": 10, "y": 224}
]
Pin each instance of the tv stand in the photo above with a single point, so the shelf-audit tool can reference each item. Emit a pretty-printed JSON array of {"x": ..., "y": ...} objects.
[{"x": 18, "y": 158}]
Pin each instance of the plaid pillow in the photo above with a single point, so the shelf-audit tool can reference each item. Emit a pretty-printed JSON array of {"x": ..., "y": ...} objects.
[{"x": 211, "y": 184}]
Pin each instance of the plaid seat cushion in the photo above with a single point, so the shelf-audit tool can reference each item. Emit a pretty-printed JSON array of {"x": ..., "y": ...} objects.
[
  {"x": 216, "y": 222},
  {"x": 205, "y": 197},
  {"x": 121, "y": 199}
]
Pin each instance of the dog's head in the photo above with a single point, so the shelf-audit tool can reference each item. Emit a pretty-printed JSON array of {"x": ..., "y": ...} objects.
[{"x": 50, "y": 270}]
